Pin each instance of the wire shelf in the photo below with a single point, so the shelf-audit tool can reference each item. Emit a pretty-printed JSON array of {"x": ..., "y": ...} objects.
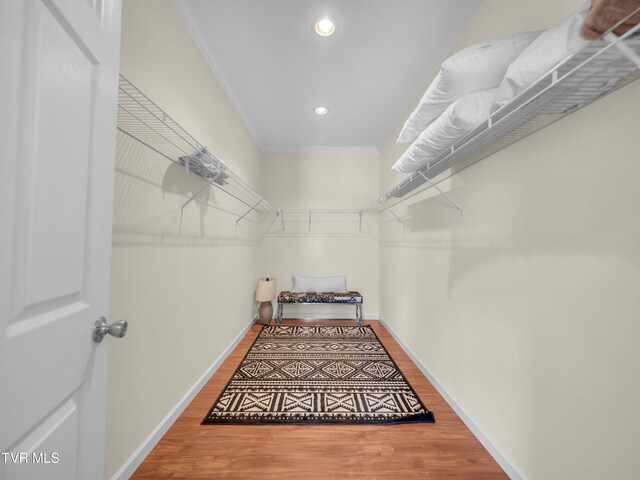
[
  {"x": 598, "y": 69},
  {"x": 327, "y": 222},
  {"x": 140, "y": 118}
]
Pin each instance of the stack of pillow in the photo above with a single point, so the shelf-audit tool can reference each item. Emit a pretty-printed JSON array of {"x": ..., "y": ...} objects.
[{"x": 476, "y": 81}]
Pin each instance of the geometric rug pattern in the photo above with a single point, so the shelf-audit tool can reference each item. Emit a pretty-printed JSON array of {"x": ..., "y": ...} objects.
[{"x": 317, "y": 374}]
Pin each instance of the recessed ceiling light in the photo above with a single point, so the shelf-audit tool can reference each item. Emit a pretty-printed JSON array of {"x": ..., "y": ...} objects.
[
  {"x": 324, "y": 26},
  {"x": 321, "y": 110}
]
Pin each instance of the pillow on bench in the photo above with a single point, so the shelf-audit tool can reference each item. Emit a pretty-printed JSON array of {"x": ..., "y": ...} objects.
[{"x": 319, "y": 284}]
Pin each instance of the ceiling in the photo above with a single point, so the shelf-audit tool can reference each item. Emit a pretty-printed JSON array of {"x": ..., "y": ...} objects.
[{"x": 369, "y": 74}]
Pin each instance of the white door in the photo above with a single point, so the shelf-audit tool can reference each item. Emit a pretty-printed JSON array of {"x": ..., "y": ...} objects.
[{"x": 58, "y": 94}]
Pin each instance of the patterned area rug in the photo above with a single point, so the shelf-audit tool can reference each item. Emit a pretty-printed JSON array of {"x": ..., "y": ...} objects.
[{"x": 318, "y": 374}]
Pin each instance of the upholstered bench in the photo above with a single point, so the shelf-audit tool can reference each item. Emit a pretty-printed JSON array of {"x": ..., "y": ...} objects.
[{"x": 306, "y": 298}]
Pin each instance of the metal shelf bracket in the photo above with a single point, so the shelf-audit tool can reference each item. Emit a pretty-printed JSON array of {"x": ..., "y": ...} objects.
[
  {"x": 249, "y": 211},
  {"x": 443, "y": 193},
  {"x": 384, "y": 205},
  {"x": 193, "y": 197}
]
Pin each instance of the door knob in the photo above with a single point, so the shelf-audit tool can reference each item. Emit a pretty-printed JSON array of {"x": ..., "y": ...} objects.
[{"x": 101, "y": 328}]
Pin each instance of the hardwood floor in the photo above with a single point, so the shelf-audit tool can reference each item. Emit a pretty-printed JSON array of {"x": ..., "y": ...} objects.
[{"x": 446, "y": 449}]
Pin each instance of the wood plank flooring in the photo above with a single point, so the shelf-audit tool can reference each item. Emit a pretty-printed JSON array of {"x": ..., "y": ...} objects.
[{"x": 446, "y": 449}]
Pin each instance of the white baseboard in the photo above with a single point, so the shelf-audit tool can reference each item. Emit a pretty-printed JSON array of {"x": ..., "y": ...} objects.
[
  {"x": 491, "y": 447},
  {"x": 136, "y": 459}
]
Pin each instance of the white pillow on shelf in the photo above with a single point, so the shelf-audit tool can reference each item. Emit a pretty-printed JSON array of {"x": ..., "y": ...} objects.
[
  {"x": 336, "y": 284},
  {"x": 477, "y": 68},
  {"x": 456, "y": 121},
  {"x": 552, "y": 47}
]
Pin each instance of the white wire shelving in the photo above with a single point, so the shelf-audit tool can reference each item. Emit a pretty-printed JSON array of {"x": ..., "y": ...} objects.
[
  {"x": 140, "y": 118},
  {"x": 320, "y": 222},
  {"x": 601, "y": 67}
]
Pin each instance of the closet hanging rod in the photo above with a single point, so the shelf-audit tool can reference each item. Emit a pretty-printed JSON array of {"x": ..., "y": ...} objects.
[
  {"x": 307, "y": 217},
  {"x": 327, "y": 211}
]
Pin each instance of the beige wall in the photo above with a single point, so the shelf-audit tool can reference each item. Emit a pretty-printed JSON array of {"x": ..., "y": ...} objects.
[
  {"x": 184, "y": 281},
  {"x": 327, "y": 180},
  {"x": 526, "y": 308}
]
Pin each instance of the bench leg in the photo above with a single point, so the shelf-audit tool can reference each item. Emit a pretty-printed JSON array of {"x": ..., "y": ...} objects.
[
  {"x": 359, "y": 313},
  {"x": 279, "y": 314}
]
